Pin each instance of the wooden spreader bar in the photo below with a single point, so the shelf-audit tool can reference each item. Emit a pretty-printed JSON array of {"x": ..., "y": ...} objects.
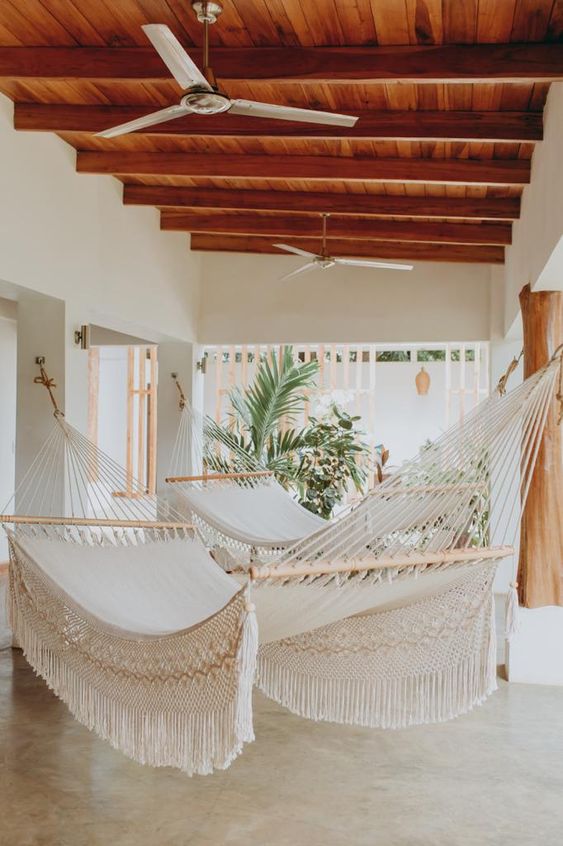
[
  {"x": 217, "y": 476},
  {"x": 93, "y": 521},
  {"x": 286, "y": 571}
]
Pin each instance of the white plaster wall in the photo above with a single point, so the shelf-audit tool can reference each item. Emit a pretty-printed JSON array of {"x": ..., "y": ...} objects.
[
  {"x": 41, "y": 332},
  {"x": 180, "y": 359},
  {"x": 69, "y": 236},
  {"x": 112, "y": 403},
  {"x": 243, "y": 301},
  {"x": 536, "y": 254},
  {"x": 8, "y": 352}
]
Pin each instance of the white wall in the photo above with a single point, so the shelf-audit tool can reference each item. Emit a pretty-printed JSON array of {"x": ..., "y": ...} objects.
[
  {"x": 536, "y": 254},
  {"x": 112, "y": 403},
  {"x": 243, "y": 301},
  {"x": 8, "y": 351},
  {"x": 69, "y": 236},
  {"x": 41, "y": 332}
]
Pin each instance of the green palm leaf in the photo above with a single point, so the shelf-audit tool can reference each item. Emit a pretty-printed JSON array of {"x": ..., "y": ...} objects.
[{"x": 276, "y": 394}]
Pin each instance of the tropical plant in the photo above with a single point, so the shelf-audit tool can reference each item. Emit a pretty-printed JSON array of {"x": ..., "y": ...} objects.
[
  {"x": 318, "y": 461},
  {"x": 261, "y": 417},
  {"x": 330, "y": 458}
]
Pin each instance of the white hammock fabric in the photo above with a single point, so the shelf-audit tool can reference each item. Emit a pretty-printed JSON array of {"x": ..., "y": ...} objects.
[
  {"x": 155, "y": 652},
  {"x": 382, "y": 617},
  {"x": 121, "y": 610},
  {"x": 423, "y": 662},
  {"x": 263, "y": 517},
  {"x": 249, "y": 518}
]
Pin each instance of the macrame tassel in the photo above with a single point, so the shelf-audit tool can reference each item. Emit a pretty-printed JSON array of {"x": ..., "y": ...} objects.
[
  {"x": 491, "y": 664},
  {"x": 246, "y": 662},
  {"x": 511, "y": 611}
]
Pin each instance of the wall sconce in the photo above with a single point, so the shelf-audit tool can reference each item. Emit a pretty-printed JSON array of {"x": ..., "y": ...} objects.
[
  {"x": 82, "y": 337},
  {"x": 422, "y": 382},
  {"x": 201, "y": 365}
]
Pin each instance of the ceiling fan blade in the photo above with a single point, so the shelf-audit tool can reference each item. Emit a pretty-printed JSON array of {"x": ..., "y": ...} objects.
[
  {"x": 305, "y": 269},
  {"x": 295, "y": 250},
  {"x": 183, "y": 69},
  {"x": 269, "y": 110},
  {"x": 367, "y": 263},
  {"x": 161, "y": 116}
]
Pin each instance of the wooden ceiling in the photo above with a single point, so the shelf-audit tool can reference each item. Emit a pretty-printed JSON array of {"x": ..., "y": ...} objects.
[{"x": 450, "y": 95}]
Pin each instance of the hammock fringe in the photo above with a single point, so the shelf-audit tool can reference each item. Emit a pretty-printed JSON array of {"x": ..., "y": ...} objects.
[
  {"x": 433, "y": 697},
  {"x": 424, "y": 663},
  {"x": 246, "y": 663},
  {"x": 196, "y": 743}
]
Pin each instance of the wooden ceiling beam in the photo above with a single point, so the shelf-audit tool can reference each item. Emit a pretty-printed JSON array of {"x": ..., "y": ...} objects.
[
  {"x": 438, "y": 125},
  {"x": 277, "y": 226},
  {"x": 439, "y": 63},
  {"x": 492, "y": 208},
  {"x": 358, "y": 249},
  {"x": 327, "y": 168}
]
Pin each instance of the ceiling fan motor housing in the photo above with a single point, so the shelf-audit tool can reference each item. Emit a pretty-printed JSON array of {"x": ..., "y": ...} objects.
[
  {"x": 207, "y": 12},
  {"x": 205, "y": 102}
]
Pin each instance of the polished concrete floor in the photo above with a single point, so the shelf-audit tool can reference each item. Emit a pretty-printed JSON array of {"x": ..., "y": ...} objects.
[{"x": 492, "y": 777}]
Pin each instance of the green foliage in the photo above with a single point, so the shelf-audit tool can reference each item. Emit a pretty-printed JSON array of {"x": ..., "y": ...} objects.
[
  {"x": 318, "y": 461},
  {"x": 276, "y": 394},
  {"x": 330, "y": 457},
  {"x": 469, "y": 355},
  {"x": 393, "y": 355},
  {"x": 431, "y": 355}
]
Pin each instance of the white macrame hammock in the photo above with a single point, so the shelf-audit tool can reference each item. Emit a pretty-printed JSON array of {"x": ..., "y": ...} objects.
[
  {"x": 383, "y": 617},
  {"x": 243, "y": 513}
]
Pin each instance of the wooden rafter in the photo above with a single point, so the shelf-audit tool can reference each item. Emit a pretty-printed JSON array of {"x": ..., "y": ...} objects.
[
  {"x": 472, "y": 62},
  {"x": 356, "y": 249},
  {"x": 482, "y": 208},
  {"x": 309, "y": 227},
  {"x": 435, "y": 125},
  {"x": 445, "y": 161},
  {"x": 359, "y": 169}
]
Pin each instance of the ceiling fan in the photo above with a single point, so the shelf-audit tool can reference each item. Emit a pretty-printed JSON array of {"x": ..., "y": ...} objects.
[
  {"x": 323, "y": 261},
  {"x": 202, "y": 95}
]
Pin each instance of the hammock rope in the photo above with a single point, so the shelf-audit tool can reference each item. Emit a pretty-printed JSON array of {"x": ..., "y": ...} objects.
[
  {"x": 493, "y": 448},
  {"x": 243, "y": 513}
]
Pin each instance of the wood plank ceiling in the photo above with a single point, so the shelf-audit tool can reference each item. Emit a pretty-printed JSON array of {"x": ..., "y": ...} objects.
[{"x": 450, "y": 95}]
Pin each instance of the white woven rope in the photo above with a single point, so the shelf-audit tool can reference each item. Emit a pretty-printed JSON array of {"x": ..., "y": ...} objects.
[{"x": 429, "y": 504}]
